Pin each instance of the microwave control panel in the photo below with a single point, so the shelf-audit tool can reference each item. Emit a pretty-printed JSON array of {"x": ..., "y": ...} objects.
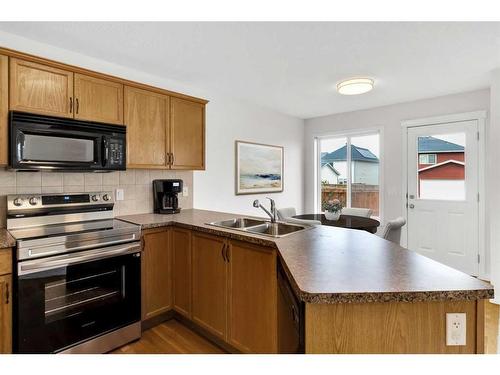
[{"x": 116, "y": 153}]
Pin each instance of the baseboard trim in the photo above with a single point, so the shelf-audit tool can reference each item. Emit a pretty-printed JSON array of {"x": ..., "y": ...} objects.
[{"x": 156, "y": 320}]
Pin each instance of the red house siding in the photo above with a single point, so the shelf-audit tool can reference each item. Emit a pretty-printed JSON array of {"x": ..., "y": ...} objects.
[
  {"x": 458, "y": 156},
  {"x": 450, "y": 171}
]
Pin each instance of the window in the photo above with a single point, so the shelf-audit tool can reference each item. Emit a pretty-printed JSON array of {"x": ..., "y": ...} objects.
[
  {"x": 427, "y": 158},
  {"x": 349, "y": 170}
]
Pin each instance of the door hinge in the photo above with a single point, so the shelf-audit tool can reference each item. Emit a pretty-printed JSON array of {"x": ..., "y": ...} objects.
[
  {"x": 478, "y": 197},
  {"x": 477, "y": 134},
  {"x": 478, "y": 258}
]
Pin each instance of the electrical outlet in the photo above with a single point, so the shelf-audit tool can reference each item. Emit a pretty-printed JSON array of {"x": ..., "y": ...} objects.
[
  {"x": 185, "y": 191},
  {"x": 456, "y": 329},
  {"x": 120, "y": 194}
]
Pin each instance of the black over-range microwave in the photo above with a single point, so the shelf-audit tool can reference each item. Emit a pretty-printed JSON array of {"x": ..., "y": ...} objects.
[{"x": 52, "y": 143}]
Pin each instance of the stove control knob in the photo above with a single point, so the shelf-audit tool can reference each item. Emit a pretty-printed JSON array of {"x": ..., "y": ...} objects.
[
  {"x": 106, "y": 197},
  {"x": 95, "y": 198},
  {"x": 33, "y": 201},
  {"x": 18, "y": 202}
]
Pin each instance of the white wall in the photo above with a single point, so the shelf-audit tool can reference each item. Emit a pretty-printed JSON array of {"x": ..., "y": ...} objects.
[
  {"x": 388, "y": 118},
  {"x": 230, "y": 120},
  {"x": 493, "y": 181},
  {"x": 227, "y": 120}
]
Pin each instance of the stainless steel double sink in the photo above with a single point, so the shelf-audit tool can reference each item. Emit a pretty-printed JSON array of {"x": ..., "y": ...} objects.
[{"x": 262, "y": 227}]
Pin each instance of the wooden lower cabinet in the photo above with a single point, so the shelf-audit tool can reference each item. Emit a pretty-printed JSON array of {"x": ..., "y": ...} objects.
[
  {"x": 252, "y": 302},
  {"x": 156, "y": 273},
  {"x": 181, "y": 272},
  {"x": 209, "y": 288},
  {"x": 5, "y": 301}
]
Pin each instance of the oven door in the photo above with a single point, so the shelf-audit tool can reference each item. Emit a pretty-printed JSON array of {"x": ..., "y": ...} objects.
[{"x": 65, "y": 300}]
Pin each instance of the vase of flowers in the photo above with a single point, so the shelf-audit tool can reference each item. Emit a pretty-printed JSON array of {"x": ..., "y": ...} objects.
[{"x": 332, "y": 209}]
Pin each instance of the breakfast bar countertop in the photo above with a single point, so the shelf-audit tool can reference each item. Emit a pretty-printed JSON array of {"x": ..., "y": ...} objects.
[{"x": 336, "y": 265}]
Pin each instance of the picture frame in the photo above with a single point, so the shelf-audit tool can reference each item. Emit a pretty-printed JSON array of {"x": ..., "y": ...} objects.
[{"x": 259, "y": 168}]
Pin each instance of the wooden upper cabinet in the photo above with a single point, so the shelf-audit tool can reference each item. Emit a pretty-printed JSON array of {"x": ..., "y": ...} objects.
[
  {"x": 146, "y": 119},
  {"x": 40, "y": 89},
  {"x": 187, "y": 130},
  {"x": 98, "y": 100},
  {"x": 253, "y": 298},
  {"x": 209, "y": 283},
  {"x": 156, "y": 273},
  {"x": 4, "y": 109},
  {"x": 181, "y": 272}
]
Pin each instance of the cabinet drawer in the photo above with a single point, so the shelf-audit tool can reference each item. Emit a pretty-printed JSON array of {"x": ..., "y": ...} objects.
[{"x": 5, "y": 261}]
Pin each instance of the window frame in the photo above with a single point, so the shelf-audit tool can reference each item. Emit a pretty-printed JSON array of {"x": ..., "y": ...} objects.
[
  {"x": 348, "y": 135},
  {"x": 427, "y": 162}
]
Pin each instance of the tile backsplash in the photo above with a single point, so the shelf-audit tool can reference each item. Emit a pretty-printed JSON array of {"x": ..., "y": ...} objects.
[{"x": 136, "y": 184}]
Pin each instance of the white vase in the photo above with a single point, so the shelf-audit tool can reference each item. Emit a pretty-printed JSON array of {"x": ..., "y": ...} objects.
[{"x": 332, "y": 215}]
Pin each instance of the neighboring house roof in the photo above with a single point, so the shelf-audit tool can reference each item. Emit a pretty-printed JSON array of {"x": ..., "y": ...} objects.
[
  {"x": 431, "y": 144},
  {"x": 357, "y": 154},
  {"x": 441, "y": 164},
  {"x": 328, "y": 165}
]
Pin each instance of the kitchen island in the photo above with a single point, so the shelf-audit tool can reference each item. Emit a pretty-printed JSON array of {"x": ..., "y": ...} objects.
[{"x": 360, "y": 293}]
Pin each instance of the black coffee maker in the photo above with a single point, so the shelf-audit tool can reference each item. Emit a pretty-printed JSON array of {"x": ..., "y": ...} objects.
[{"x": 165, "y": 196}]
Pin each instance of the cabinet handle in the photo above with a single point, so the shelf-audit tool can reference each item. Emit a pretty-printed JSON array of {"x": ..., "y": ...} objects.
[
  {"x": 77, "y": 105},
  {"x": 7, "y": 293},
  {"x": 172, "y": 156},
  {"x": 227, "y": 254},
  {"x": 223, "y": 252},
  {"x": 70, "y": 105}
]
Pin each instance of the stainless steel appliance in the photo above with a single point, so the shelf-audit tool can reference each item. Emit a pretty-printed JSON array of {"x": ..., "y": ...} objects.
[
  {"x": 52, "y": 143},
  {"x": 165, "y": 196},
  {"x": 77, "y": 274}
]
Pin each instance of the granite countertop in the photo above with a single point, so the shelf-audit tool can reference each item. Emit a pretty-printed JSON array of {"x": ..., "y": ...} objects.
[
  {"x": 6, "y": 240},
  {"x": 335, "y": 265}
]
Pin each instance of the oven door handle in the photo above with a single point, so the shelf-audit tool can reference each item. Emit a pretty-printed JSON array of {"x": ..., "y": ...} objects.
[{"x": 46, "y": 264}]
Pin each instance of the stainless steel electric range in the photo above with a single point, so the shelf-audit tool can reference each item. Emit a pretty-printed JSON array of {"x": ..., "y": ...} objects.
[{"x": 78, "y": 275}]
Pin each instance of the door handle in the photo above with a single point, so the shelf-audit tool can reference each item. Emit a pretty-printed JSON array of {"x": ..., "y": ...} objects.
[
  {"x": 411, "y": 205},
  {"x": 7, "y": 293}
]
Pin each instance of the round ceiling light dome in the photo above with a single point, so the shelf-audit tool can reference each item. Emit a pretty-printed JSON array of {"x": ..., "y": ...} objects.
[{"x": 355, "y": 86}]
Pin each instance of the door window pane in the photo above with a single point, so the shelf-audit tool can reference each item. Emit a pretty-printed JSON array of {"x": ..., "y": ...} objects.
[
  {"x": 365, "y": 168},
  {"x": 441, "y": 166},
  {"x": 333, "y": 169}
]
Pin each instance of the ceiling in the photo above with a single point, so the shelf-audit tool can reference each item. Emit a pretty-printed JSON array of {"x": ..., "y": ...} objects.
[{"x": 292, "y": 67}]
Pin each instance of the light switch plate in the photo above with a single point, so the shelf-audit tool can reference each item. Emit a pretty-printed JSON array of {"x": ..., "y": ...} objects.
[
  {"x": 120, "y": 195},
  {"x": 185, "y": 191},
  {"x": 456, "y": 329}
]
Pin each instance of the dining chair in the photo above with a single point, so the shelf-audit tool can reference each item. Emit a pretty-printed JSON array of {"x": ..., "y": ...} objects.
[
  {"x": 392, "y": 230},
  {"x": 285, "y": 213},
  {"x": 292, "y": 220},
  {"x": 363, "y": 212}
]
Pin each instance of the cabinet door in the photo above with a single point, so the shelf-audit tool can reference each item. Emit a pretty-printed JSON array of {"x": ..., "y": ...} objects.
[
  {"x": 209, "y": 284},
  {"x": 98, "y": 100},
  {"x": 146, "y": 119},
  {"x": 4, "y": 109},
  {"x": 252, "y": 305},
  {"x": 181, "y": 251},
  {"x": 5, "y": 314},
  {"x": 187, "y": 131},
  {"x": 40, "y": 89},
  {"x": 156, "y": 273}
]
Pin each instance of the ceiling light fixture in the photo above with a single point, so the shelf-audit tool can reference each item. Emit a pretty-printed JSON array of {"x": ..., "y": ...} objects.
[{"x": 355, "y": 86}]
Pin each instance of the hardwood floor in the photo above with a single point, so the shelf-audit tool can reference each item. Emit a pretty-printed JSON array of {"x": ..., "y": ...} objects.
[{"x": 170, "y": 337}]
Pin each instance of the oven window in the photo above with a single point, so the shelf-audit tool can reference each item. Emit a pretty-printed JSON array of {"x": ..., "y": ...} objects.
[
  {"x": 69, "y": 296},
  {"x": 45, "y": 148}
]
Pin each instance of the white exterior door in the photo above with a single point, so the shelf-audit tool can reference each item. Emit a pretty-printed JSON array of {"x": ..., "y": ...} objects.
[{"x": 443, "y": 193}]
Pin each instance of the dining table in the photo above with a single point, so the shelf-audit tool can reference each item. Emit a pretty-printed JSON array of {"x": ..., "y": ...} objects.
[{"x": 345, "y": 221}]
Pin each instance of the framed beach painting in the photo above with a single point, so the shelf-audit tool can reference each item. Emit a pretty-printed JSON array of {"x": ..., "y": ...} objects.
[{"x": 259, "y": 168}]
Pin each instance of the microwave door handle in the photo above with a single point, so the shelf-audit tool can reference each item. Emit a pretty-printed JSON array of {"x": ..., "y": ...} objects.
[
  {"x": 105, "y": 152},
  {"x": 19, "y": 145},
  {"x": 67, "y": 260}
]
